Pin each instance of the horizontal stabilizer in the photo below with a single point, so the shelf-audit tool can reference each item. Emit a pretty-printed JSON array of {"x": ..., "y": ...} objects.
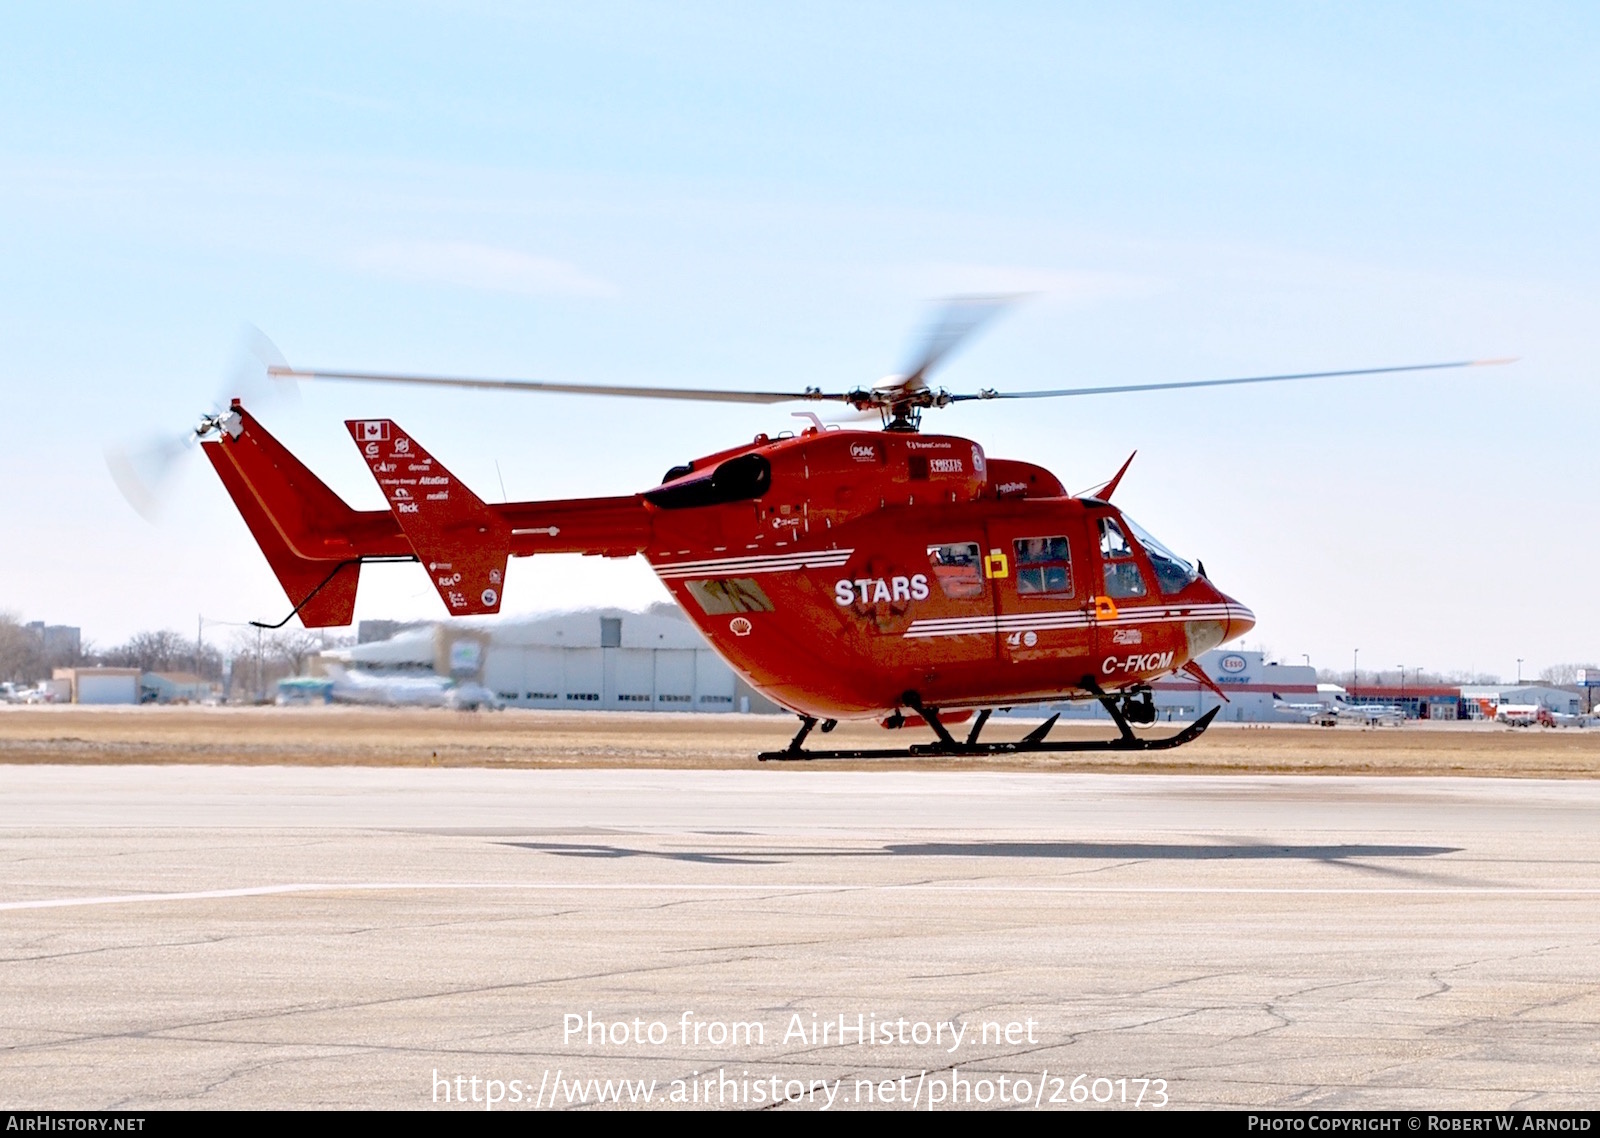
[{"x": 462, "y": 542}]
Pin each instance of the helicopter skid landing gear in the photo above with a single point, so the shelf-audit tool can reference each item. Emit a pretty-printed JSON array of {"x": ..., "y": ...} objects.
[{"x": 1121, "y": 711}]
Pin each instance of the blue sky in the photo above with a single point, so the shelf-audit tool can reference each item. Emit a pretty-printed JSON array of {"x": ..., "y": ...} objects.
[{"x": 737, "y": 195}]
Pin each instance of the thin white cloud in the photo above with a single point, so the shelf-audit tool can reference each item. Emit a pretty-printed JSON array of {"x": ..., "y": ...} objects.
[
  {"x": 470, "y": 265},
  {"x": 950, "y": 279}
]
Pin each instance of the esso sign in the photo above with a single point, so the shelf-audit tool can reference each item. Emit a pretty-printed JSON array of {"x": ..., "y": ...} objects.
[{"x": 1233, "y": 665}]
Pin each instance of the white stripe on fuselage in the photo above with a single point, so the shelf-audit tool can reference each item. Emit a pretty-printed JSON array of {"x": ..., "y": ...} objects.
[
  {"x": 1072, "y": 618},
  {"x": 749, "y": 566}
]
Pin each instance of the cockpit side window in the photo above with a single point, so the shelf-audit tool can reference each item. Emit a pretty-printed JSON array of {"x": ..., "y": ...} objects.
[
  {"x": 1123, "y": 578},
  {"x": 958, "y": 569},
  {"x": 1044, "y": 565}
]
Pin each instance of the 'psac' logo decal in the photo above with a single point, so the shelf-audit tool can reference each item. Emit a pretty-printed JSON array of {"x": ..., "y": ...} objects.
[{"x": 1233, "y": 665}]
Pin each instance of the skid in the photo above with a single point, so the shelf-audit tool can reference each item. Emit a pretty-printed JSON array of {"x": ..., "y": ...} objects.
[{"x": 1021, "y": 747}]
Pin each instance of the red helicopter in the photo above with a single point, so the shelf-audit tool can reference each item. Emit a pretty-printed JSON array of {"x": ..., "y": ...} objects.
[{"x": 843, "y": 573}]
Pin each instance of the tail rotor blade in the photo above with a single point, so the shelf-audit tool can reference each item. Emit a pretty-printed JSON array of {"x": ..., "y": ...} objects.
[
  {"x": 258, "y": 373},
  {"x": 145, "y": 473}
]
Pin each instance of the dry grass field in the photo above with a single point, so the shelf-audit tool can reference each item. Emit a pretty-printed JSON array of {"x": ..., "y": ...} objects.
[{"x": 349, "y": 736}]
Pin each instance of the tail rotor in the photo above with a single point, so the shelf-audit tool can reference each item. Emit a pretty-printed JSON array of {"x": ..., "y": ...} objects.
[{"x": 147, "y": 470}]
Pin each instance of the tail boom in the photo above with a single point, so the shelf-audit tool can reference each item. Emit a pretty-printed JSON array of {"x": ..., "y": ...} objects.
[{"x": 316, "y": 543}]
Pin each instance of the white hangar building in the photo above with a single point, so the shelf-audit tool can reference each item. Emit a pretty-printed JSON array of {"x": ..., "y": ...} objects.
[{"x": 596, "y": 659}]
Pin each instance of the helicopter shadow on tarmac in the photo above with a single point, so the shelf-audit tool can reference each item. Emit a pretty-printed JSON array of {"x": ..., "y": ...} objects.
[{"x": 1341, "y": 854}]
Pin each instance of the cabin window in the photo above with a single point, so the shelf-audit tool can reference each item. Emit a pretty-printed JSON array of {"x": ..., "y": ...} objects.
[
  {"x": 1044, "y": 565},
  {"x": 958, "y": 568},
  {"x": 730, "y": 594},
  {"x": 1123, "y": 578}
]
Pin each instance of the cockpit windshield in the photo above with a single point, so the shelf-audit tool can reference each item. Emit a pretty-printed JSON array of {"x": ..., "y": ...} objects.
[{"x": 1173, "y": 573}]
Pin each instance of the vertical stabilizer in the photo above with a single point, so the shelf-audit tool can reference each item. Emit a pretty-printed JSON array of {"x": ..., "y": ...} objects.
[
  {"x": 462, "y": 542},
  {"x": 323, "y": 592}
]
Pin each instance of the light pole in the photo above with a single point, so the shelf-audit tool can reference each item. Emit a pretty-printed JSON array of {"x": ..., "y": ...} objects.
[
  {"x": 1355, "y": 671},
  {"x": 1402, "y": 668},
  {"x": 1519, "y": 671}
]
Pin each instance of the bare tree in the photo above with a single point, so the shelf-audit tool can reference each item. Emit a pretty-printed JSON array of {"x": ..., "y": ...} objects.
[
  {"x": 292, "y": 647},
  {"x": 21, "y": 654},
  {"x": 209, "y": 663},
  {"x": 164, "y": 651},
  {"x": 1558, "y": 675},
  {"x": 1392, "y": 677},
  {"x": 258, "y": 660},
  {"x": 246, "y": 667}
]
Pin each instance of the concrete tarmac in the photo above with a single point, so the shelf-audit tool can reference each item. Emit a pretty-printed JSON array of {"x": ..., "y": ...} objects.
[{"x": 275, "y": 937}]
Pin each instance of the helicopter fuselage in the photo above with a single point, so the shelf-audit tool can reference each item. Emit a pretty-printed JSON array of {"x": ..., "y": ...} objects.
[{"x": 880, "y": 564}]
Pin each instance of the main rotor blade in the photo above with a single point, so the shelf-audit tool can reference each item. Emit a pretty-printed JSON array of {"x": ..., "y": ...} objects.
[
  {"x": 955, "y": 322},
  {"x": 701, "y": 395},
  {"x": 990, "y": 394}
]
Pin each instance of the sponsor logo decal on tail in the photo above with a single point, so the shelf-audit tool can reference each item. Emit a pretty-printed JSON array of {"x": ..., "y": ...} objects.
[{"x": 463, "y": 542}]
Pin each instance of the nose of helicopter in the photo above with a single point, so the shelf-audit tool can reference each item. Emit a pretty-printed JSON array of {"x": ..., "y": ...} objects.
[{"x": 1240, "y": 619}]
